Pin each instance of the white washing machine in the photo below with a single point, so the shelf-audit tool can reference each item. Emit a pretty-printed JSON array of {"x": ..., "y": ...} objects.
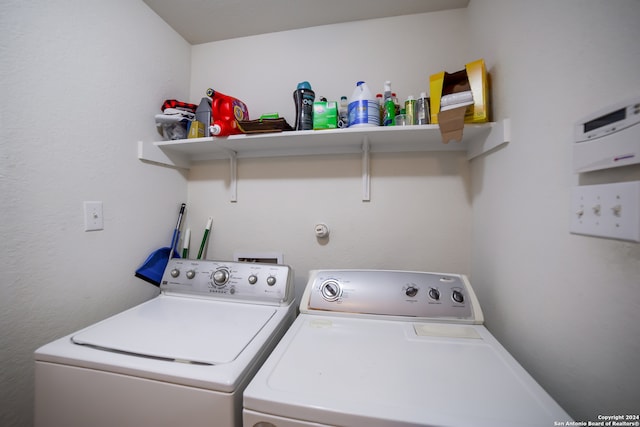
[
  {"x": 180, "y": 359},
  {"x": 375, "y": 348}
]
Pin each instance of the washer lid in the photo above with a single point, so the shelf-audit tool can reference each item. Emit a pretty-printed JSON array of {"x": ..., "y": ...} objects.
[{"x": 180, "y": 329}]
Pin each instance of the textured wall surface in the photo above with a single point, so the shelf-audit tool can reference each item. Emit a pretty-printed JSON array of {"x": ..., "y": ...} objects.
[
  {"x": 567, "y": 306},
  {"x": 80, "y": 83}
]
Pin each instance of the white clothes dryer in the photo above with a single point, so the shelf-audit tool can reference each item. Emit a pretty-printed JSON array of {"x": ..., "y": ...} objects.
[
  {"x": 375, "y": 348},
  {"x": 180, "y": 359}
]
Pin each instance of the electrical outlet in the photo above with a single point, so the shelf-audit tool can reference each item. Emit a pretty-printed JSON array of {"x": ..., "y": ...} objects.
[
  {"x": 93, "y": 219},
  {"x": 607, "y": 210}
]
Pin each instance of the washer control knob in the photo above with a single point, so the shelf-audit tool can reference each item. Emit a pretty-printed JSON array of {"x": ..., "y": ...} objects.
[
  {"x": 271, "y": 280},
  {"x": 220, "y": 277},
  {"x": 457, "y": 296},
  {"x": 175, "y": 273},
  {"x": 191, "y": 274},
  {"x": 434, "y": 294},
  {"x": 253, "y": 279},
  {"x": 330, "y": 290},
  {"x": 411, "y": 291}
]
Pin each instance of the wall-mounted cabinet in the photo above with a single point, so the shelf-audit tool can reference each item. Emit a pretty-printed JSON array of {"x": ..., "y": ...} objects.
[{"x": 477, "y": 140}]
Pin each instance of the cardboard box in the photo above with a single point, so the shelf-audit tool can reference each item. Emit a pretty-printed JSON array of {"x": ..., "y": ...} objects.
[
  {"x": 325, "y": 115},
  {"x": 473, "y": 78}
]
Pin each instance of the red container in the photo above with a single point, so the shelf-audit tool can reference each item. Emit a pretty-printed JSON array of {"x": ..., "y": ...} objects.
[{"x": 226, "y": 111}]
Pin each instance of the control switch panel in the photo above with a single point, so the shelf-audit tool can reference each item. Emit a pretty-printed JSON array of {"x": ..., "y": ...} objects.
[
  {"x": 264, "y": 283},
  {"x": 406, "y": 294}
]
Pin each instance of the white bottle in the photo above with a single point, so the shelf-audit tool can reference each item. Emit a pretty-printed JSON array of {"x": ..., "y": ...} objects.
[{"x": 363, "y": 108}]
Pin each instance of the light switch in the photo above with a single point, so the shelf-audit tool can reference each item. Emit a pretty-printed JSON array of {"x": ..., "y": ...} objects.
[{"x": 93, "y": 218}]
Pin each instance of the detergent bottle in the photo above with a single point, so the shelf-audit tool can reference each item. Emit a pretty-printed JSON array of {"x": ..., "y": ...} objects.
[
  {"x": 390, "y": 111},
  {"x": 303, "y": 97},
  {"x": 363, "y": 108},
  {"x": 226, "y": 111}
]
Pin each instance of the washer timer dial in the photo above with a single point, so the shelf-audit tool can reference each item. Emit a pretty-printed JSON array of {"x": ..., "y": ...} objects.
[{"x": 220, "y": 277}]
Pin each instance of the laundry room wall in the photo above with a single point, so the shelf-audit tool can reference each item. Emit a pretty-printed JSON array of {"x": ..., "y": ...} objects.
[
  {"x": 567, "y": 306},
  {"x": 80, "y": 83},
  {"x": 419, "y": 213}
]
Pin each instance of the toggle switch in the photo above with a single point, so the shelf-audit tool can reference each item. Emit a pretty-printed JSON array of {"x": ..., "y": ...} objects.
[{"x": 607, "y": 210}]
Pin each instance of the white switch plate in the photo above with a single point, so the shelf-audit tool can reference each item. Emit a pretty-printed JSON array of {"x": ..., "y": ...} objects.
[
  {"x": 607, "y": 210},
  {"x": 93, "y": 218}
]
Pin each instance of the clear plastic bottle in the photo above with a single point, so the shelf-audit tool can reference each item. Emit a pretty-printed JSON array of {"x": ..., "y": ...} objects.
[
  {"x": 363, "y": 108},
  {"x": 422, "y": 109},
  {"x": 410, "y": 110},
  {"x": 380, "y": 101}
]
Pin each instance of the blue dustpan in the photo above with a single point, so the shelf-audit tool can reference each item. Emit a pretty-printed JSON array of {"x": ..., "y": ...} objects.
[{"x": 153, "y": 267}]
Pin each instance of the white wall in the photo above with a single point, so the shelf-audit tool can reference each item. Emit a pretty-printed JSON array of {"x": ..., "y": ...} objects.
[
  {"x": 567, "y": 306},
  {"x": 77, "y": 61},
  {"x": 81, "y": 81},
  {"x": 419, "y": 213}
]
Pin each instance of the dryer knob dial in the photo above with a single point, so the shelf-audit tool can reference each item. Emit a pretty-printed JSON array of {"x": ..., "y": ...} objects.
[
  {"x": 434, "y": 294},
  {"x": 411, "y": 291},
  {"x": 331, "y": 290},
  {"x": 271, "y": 280},
  {"x": 253, "y": 279},
  {"x": 175, "y": 273},
  {"x": 220, "y": 277},
  {"x": 191, "y": 274},
  {"x": 457, "y": 296}
]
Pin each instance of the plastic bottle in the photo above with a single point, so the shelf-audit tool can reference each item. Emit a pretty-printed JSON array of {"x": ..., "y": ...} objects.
[
  {"x": 343, "y": 112},
  {"x": 303, "y": 98},
  {"x": 410, "y": 110},
  {"x": 225, "y": 113},
  {"x": 422, "y": 110},
  {"x": 363, "y": 108},
  {"x": 203, "y": 115},
  {"x": 389, "y": 106},
  {"x": 396, "y": 102},
  {"x": 380, "y": 101}
]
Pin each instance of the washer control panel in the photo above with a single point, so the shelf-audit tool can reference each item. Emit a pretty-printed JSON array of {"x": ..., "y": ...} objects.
[
  {"x": 252, "y": 282},
  {"x": 392, "y": 293}
]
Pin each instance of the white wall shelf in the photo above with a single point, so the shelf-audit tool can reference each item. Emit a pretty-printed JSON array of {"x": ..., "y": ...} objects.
[{"x": 477, "y": 140}]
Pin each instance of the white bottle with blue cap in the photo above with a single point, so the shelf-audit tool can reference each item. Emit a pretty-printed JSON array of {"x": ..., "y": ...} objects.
[{"x": 364, "y": 110}]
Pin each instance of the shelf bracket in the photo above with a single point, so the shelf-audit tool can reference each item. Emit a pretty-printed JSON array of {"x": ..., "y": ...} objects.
[
  {"x": 233, "y": 176},
  {"x": 366, "y": 170},
  {"x": 149, "y": 152},
  {"x": 499, "y": 134}
]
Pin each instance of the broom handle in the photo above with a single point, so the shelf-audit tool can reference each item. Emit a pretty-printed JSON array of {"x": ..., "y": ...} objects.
[{"x": 176, "y": 232}]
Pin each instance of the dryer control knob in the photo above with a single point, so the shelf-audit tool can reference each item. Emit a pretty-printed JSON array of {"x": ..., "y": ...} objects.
[
  {"x": 457, "y": 296},
  {"x": 434, "y": 294},
  {"x": 331, "y": 290},
  {"x": 253, "y": 279},
  {"x": 271, "y": 280},
  {"x": 175, "y": 273},
  {"x": 191, "y": 274},
  {"x": 411, "y": 291}
]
